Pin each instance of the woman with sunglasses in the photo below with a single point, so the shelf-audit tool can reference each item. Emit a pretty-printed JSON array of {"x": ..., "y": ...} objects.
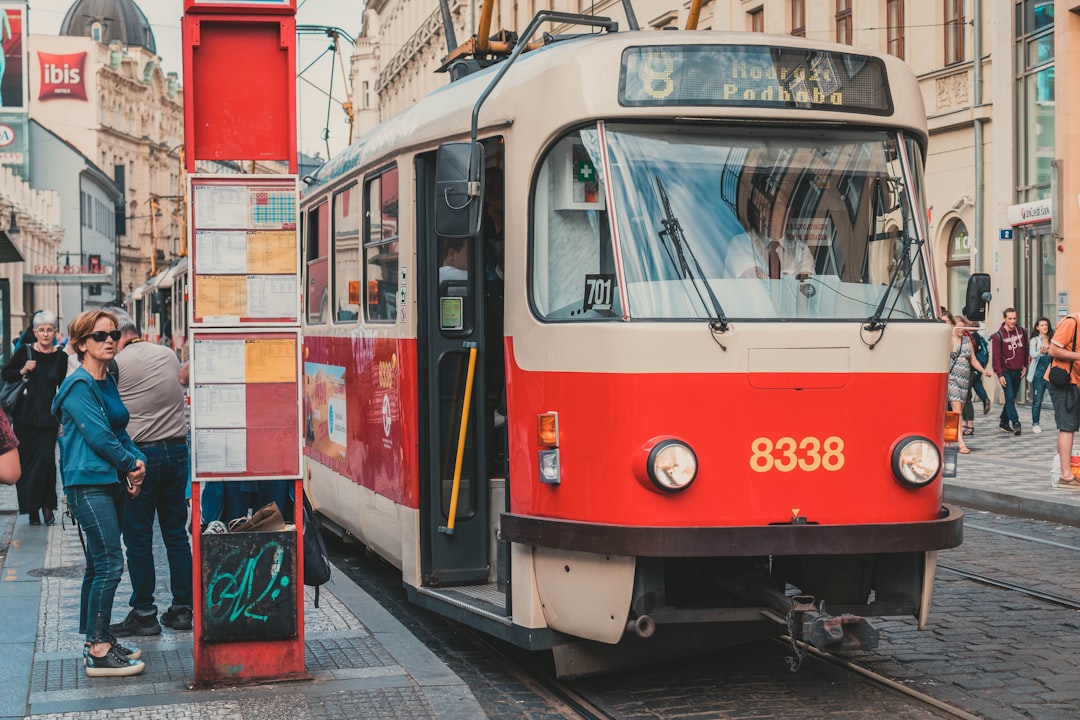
[
  {"x": 99, "y": 464},
  {"x": 41, "y": 369}
]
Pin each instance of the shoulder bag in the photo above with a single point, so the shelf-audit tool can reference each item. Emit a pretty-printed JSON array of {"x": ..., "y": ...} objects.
[
  {"x": 13, "y": 391},
  {"x": 1059, "y": 377}
]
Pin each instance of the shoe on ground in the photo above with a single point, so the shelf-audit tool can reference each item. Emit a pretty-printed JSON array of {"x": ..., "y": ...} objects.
[
  {"x": 1036, "y": 429},
  {"x": 113, "y": 664},
  {"x": 1069, "y": 482},
  {"x": 136, "y": 624},
  {"x": 177, "y": 618},
  {"x": 132, "y": 653},
  {"x": 1005, "y": 428},
  {"x": 1016, "y": 429}
]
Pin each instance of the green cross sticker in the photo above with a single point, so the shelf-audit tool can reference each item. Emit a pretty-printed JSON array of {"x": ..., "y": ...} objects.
[{"x": 586, "y": 172}]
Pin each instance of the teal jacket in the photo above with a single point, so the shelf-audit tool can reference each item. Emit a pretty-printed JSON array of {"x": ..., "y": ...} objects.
[{"x": 91, "y": 453}]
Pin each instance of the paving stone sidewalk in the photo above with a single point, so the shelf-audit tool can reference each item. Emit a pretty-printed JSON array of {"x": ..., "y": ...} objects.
[{"x": 362, "y": 662}]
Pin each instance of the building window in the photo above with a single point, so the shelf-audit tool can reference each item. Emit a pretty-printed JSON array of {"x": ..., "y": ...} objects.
[
  {"x": 958, "y": 265},
  {"x": 894, "y": 10},
  {"x": 798, "y": 18},
  {"x": 1035, "y": 98},
  {"x": 843, "y": 21},
  {"x": 954, "y": 31},
  {"x": 756, "y": 19}
]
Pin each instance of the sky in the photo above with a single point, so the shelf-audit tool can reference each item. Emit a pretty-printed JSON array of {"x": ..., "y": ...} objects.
[{"x": 164, "y": 16}]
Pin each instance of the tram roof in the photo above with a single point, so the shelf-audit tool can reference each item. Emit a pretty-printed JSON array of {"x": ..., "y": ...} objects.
[{"x": 571, "y": 81}]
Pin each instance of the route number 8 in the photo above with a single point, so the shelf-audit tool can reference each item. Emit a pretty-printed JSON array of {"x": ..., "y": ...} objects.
[{"x": 786, "y": 454}]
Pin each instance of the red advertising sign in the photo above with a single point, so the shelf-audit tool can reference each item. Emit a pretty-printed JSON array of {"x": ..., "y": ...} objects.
[{"x": 62, "y": 76}]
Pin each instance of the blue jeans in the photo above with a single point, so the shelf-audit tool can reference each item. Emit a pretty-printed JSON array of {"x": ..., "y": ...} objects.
[
  {"x": 99, "y": 510},
  {"x": 162, "y": 493},
  {"x": 1012, "y": 382},
  {"x": 1038, "y": 388}
]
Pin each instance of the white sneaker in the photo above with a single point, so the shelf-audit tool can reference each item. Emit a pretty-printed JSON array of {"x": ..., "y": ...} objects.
[{"x": 1036, "y": 429}]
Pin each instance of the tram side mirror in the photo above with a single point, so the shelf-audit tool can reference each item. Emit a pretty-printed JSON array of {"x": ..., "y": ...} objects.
[
  {"x": 978, "y": 296},
  {"x": 459, "y": 183}
]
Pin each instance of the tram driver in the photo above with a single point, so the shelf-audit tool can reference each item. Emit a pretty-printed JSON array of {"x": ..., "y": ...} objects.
[{"x": 765, "y": 251}]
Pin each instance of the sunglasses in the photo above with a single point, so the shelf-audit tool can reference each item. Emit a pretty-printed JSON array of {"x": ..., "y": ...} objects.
[{"x": 103, "y": 335}]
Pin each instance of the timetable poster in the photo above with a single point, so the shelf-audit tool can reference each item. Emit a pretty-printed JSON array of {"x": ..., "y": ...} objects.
[
  {"x": 245, "y": 251},
  {"x": 245, "y": 405}
]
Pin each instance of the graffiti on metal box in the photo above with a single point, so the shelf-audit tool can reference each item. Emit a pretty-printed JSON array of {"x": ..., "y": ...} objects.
[{"x": 247, "y": 587}]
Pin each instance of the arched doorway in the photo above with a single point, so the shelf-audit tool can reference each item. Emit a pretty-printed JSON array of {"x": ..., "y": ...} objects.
[{"x": 957, "y": 266}]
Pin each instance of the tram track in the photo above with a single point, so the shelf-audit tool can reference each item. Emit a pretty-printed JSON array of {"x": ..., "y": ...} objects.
[
  {"x": 941, "y": 708},
  {"x": 989, "y": 581},
  {"x": 981, "y": 579}
]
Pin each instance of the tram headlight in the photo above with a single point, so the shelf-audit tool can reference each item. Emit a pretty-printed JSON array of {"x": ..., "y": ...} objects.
[
  {"x": 672, "y": 465},
  {"x": 916, "y": 461}
]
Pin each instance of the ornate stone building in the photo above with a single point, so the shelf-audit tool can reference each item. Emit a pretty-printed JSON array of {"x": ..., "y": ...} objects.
[{"x": 123, "y": 111}]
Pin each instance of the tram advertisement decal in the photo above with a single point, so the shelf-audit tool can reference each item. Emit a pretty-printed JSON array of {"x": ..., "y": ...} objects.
[
  {"x": 325, "y": 418},
  {"x": 753, "y": 76}
]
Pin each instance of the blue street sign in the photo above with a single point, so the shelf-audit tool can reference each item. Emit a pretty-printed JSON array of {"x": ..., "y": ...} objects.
[{"x": 1006, "y": 234}]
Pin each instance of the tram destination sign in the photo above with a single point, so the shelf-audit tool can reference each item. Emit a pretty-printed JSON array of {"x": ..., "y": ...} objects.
[{"x": 753, "y": 76}]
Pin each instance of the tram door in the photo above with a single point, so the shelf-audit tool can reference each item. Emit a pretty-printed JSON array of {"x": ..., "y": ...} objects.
[{"x": 453, "y": 355}]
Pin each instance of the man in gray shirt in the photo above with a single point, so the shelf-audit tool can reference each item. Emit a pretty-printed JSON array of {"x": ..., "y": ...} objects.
[{"x": 149, "y": 384}]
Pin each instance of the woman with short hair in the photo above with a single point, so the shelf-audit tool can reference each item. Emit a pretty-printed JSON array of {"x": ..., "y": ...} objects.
[{"x": 42, "y": 369}]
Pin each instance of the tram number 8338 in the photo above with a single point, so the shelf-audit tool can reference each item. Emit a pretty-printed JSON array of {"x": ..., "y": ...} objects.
[{"x": 786, "y": 454}]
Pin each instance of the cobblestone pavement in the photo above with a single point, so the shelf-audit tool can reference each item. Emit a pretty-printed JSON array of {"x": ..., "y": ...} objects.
[
  {"x": 992, "y": 652},
  {"x": 362, "y": 662}
]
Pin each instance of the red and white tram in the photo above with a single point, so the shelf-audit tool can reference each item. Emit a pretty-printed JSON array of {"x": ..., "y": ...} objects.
[{"x": 698, "y": 356}]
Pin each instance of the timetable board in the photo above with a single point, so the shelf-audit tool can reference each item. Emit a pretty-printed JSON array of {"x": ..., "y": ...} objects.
[
  {"x": 245, "y": 251},
  {"x": 245, "y": 405}
]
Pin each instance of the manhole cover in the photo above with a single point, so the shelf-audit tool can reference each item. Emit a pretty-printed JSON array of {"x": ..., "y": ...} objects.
[{"x": 64, "y": 571}]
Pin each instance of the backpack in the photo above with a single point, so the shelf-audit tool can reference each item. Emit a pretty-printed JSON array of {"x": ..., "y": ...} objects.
[
  {"x": 982, "y": 349},
  {"x": 316, "y": 564}
]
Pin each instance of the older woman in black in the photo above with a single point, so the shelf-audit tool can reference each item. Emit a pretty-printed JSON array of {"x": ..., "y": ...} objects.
[{"x": 43, "y": 369}]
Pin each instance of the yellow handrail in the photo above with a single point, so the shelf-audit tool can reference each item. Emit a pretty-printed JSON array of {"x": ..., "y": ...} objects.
[{"x": 461, "y": 440}]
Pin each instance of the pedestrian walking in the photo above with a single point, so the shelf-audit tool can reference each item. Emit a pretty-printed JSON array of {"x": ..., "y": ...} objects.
[
  {"x": 149, "y": 384},
  {"x": 959, "y": 384},
  {"x": 1064, "y": 382},
  {"x": 982, "y": 354},
  {"x": 1009, "y": 347},
  {"x": 1039, "y": 353},
  {"x": 976, "y": 371},
  {"x": 98, "y": 462},
  {"x": 42, "y": 370}
]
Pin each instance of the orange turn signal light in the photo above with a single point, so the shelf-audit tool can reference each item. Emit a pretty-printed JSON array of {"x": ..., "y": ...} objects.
[{"x": 547, "y": 428}]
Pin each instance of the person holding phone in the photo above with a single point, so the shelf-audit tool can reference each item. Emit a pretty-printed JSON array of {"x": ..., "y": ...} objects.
[{"x": 101, "y": 467}]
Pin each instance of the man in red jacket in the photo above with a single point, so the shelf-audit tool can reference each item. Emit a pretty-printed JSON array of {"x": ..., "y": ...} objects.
[{"x": 1009, "y": 346}]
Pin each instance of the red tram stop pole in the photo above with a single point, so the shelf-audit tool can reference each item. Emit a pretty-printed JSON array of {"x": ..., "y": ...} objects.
[{"x": 240, "y": 105}]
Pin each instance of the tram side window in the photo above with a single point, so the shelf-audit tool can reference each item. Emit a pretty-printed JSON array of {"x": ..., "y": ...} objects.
[
  {"x": 346, "y": 267},
  {"x": 573, "y": 268},
  {"x": 317, "y": 236},
  {"x": 381, "y": 246}
]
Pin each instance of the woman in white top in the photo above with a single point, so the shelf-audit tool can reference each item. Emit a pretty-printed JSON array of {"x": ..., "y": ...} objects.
[{"x": 1040, "y": 362}]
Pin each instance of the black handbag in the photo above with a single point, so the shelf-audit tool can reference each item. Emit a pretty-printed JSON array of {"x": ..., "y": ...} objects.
[
  {"x": 13, "y": 391},
  {"x": 1059, "y": 377}
]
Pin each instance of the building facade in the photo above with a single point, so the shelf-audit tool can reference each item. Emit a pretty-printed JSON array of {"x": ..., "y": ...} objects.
[
  {"x": 1003, "y": 198},
  {"x": 100, "y": 88}
]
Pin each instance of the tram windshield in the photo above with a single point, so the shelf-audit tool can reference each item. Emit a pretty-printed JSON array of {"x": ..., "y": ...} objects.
[{"x": 748, "y": 224}]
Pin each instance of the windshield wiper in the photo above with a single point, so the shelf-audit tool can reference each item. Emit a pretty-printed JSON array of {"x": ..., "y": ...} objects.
[
  {"x": 678, "y": 253},
  {"x": 876, "y": 322}
]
